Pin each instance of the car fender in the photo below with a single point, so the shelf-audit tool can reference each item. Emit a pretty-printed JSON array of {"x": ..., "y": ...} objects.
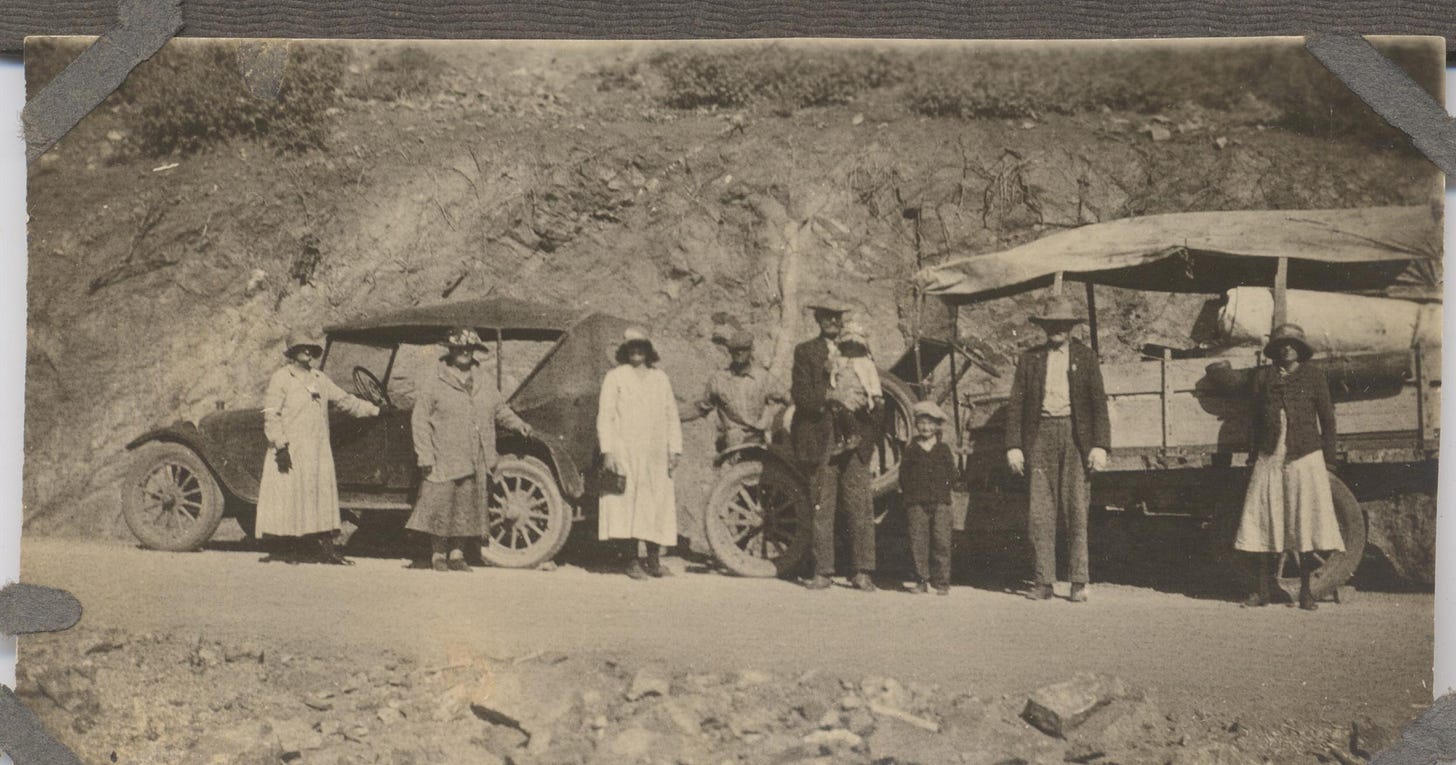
[
  {"x": 762, "y": 453},
  {"x": 568, "y": 474},
  {"x": 237, "y": 483}
]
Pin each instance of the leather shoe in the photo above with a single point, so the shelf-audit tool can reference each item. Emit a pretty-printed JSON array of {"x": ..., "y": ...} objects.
[
  {"x": 818, "y": 582},
  {"x": 636, "y": 571},
  {"x": 439, "y": 564},
  {"x": 862, "y": 582},
  {"x": 1079, "y": 593},
  {"x": 457, "y": 564},
  {"x": 921, "y": 588},
  {"x": 1040, "y": 592}
]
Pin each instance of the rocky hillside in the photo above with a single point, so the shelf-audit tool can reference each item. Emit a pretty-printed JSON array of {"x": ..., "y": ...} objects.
[{"x": 228, "y": 193}]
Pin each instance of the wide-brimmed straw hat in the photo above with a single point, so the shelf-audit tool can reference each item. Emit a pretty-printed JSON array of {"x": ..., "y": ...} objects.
[
  {"x": 1288, "y": 334},
  {"x": 465, "y": 337},
  {"x": 299, "y": 340},
  {"x": 1059, "y": 310},
  {"x": 929, "y": 409}
]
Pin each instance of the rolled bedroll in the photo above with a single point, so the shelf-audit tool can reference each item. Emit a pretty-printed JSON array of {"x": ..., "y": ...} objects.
[{"x": 1332, "y": 322}]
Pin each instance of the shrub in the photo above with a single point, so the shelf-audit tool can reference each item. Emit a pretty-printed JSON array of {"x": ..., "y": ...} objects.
[
  {"x": 191, "y": 97},
  {"x": 398, "y": 73},
  {"x": 772, "y": 74}
]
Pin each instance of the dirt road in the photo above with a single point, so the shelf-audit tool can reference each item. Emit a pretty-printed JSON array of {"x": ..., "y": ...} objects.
[{"x": 1371, "y": 656}]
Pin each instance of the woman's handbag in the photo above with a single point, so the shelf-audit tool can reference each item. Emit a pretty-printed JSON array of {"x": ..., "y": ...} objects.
[{"x": 609, "y": 482}]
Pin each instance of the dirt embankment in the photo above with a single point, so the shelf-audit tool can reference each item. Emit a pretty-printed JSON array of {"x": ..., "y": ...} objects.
[{"x": 161, "y": 283}]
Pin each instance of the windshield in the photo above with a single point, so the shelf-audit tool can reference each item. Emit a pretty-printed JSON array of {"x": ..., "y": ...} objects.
[{"x": 345, "y": 356}]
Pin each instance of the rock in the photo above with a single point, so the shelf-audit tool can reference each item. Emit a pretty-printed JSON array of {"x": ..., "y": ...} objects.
[
  {"x": 850, "y": 701},
  {"x": 887, "y": 691},
  {"x": 1083, "y": 752},
  {"x": 884, "y": 710},
  {"x": 258, "y": 755},
  {"x": 860, "y": 721},
  {"x": 1369, "y": 738},
  {"x": 630, "y": 744},
  {"x": 644, "y": 684},
  {"x": 114, "y": 135},
  {"x": 830, "y": 719},
  {"x": 1220, "y": 143},
  {"x": 829, "y": 741},
  {"x": 389, "y": 715},
  {"x": 685, "y": 720},
  {"x": 295, "y": 735},
  {"x": 1158, "y": 133},
  {"x": 1058, "y": 708}
]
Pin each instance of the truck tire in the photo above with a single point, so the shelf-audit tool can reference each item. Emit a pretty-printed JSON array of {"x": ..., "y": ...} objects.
[
  {"x": 528, "y": 521},
  {"x": 170, "y": 500},
  {"x": 1335, "y": 568},
  {"x": 899, "y": 427}
]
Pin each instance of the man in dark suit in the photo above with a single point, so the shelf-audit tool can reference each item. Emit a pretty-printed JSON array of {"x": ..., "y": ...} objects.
[
  {"x": 1058, "y": 414},
  {"x": 839, "y": 482}
]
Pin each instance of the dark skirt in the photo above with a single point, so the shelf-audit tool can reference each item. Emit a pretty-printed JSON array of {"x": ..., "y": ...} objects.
[{"x": 449, "y": 509}]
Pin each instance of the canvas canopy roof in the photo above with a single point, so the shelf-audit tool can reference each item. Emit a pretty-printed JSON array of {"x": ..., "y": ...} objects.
[
  {"x": 1386, "y": 250},
  {"x": 517, "y": 318}
]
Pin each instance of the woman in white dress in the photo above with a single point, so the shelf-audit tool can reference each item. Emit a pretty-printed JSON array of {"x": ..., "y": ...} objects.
[
  {"x": 640, "y": 438},
  {"x": 1288, "y": 507},
  {"x": 298, "y": 496}
]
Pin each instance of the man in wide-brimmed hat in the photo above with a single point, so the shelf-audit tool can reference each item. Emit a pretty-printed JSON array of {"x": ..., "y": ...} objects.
[
  {"x": 1058, "y": 414},
  {"x": 736, "y": 394},
  {"x": 454, "y": 429},
  {"x": 298, "y": 496},
  {"x": 837, "y": 482}
]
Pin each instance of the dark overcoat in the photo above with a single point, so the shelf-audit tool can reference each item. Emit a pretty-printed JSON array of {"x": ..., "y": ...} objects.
[{"x": 1090, "y": 425}]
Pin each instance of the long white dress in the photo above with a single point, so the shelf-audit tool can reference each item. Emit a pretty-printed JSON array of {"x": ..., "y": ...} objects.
[
  {"x": 305, "y": 500},
  {"x": 637, "y": 422},
  {"x": 1288, "y": 505}
]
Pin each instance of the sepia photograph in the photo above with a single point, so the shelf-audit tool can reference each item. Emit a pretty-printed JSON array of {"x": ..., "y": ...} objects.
[{"x": 757, "y": 401}]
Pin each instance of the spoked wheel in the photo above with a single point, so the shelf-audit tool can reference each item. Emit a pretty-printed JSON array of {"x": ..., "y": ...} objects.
[
  {"x": 898, "y": 429},
  {"x": 528, "y": 521},
  {"x": 171, "y": 500},
  {"x": 757, "y": 520},
  {"x": 1335, "y": 568}
]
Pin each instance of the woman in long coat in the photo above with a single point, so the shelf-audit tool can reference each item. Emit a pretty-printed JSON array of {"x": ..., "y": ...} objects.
[
  {"x": 1288, "y": 506},
  {"x": 453, "y": 424},
  {"x": 299, "y": 493},
  {"x": 640, "y": 438}
]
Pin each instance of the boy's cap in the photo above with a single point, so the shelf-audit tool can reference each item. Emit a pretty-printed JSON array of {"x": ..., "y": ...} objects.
[{"x": 929, "y": 409}]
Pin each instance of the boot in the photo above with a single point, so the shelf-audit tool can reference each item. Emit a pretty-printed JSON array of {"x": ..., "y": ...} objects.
[
  {"x": 1079, "y": 593},
  {"x": 637, "y": 569},
  {"x": 439, "y": 548},
  {"x": 1040, "y": 592},
  {"x": 862, "y": 582},
  {"x": 1263, "y": 579},
  {"x": 818, "y": 582},
  {"x": 330, "y": 554},
  {"x": 921, "y": 587},
  {"x": 653, "y": 563},
  {"x": 1306, "y": 597}
]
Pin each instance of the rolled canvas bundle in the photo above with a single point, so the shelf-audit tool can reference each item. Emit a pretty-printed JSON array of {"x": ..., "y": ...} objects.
[{"x": 1332, "y": 322}]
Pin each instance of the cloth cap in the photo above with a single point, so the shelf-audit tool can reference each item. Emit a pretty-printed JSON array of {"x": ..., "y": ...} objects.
[
  {"x": 1059, "y": 310},
  {"x": 929, "y": 409},
  {"x": 739, "y": 341},
  {"x": 1288, "y": 334},
  {"x": 828, "y": 301}
]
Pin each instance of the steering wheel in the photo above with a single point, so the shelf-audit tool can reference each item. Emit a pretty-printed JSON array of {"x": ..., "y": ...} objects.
[{"x": 369, "y": 388}]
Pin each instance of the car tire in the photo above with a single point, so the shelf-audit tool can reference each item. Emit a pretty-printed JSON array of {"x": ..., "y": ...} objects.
[
  {"x": 170, "y": 500},
  {"x": 528, "y": 521},
  {"x": 737, "y": 505},
  {"x": 1336, "y": 568}
]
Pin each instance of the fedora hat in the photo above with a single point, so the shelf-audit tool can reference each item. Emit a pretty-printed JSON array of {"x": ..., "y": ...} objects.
[
  {"x": 299, "y": 340},
  {"x": 929, "y": 409},
  {"x": 1058, "y": 310},
  {"x": 1288, "y": 334},
  {"x": 828, "y": 301}
]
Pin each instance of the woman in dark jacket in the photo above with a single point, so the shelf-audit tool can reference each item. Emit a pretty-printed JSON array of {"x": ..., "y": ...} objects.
[{"x": 1288, "y": 506}]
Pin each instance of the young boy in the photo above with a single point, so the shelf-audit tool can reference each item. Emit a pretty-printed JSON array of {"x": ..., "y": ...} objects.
[
  {"x": 855, "y": 388},
  {"x": 927, "y": 469}
]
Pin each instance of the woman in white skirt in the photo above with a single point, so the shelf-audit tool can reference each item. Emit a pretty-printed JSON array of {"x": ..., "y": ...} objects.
[
  {"x": 640, "y": 437},
  {"x": 1289, "y": 507}
]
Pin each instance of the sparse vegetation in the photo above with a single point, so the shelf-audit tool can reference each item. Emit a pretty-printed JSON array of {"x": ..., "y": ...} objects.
[
  {"x": 187, "y": 101},
  {"x": 774, "y": 75},
  {"x": 398, "y": 74}
]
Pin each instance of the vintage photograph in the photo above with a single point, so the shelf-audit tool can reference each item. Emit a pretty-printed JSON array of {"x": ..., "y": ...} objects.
[{"x": 763, "y": 401}]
